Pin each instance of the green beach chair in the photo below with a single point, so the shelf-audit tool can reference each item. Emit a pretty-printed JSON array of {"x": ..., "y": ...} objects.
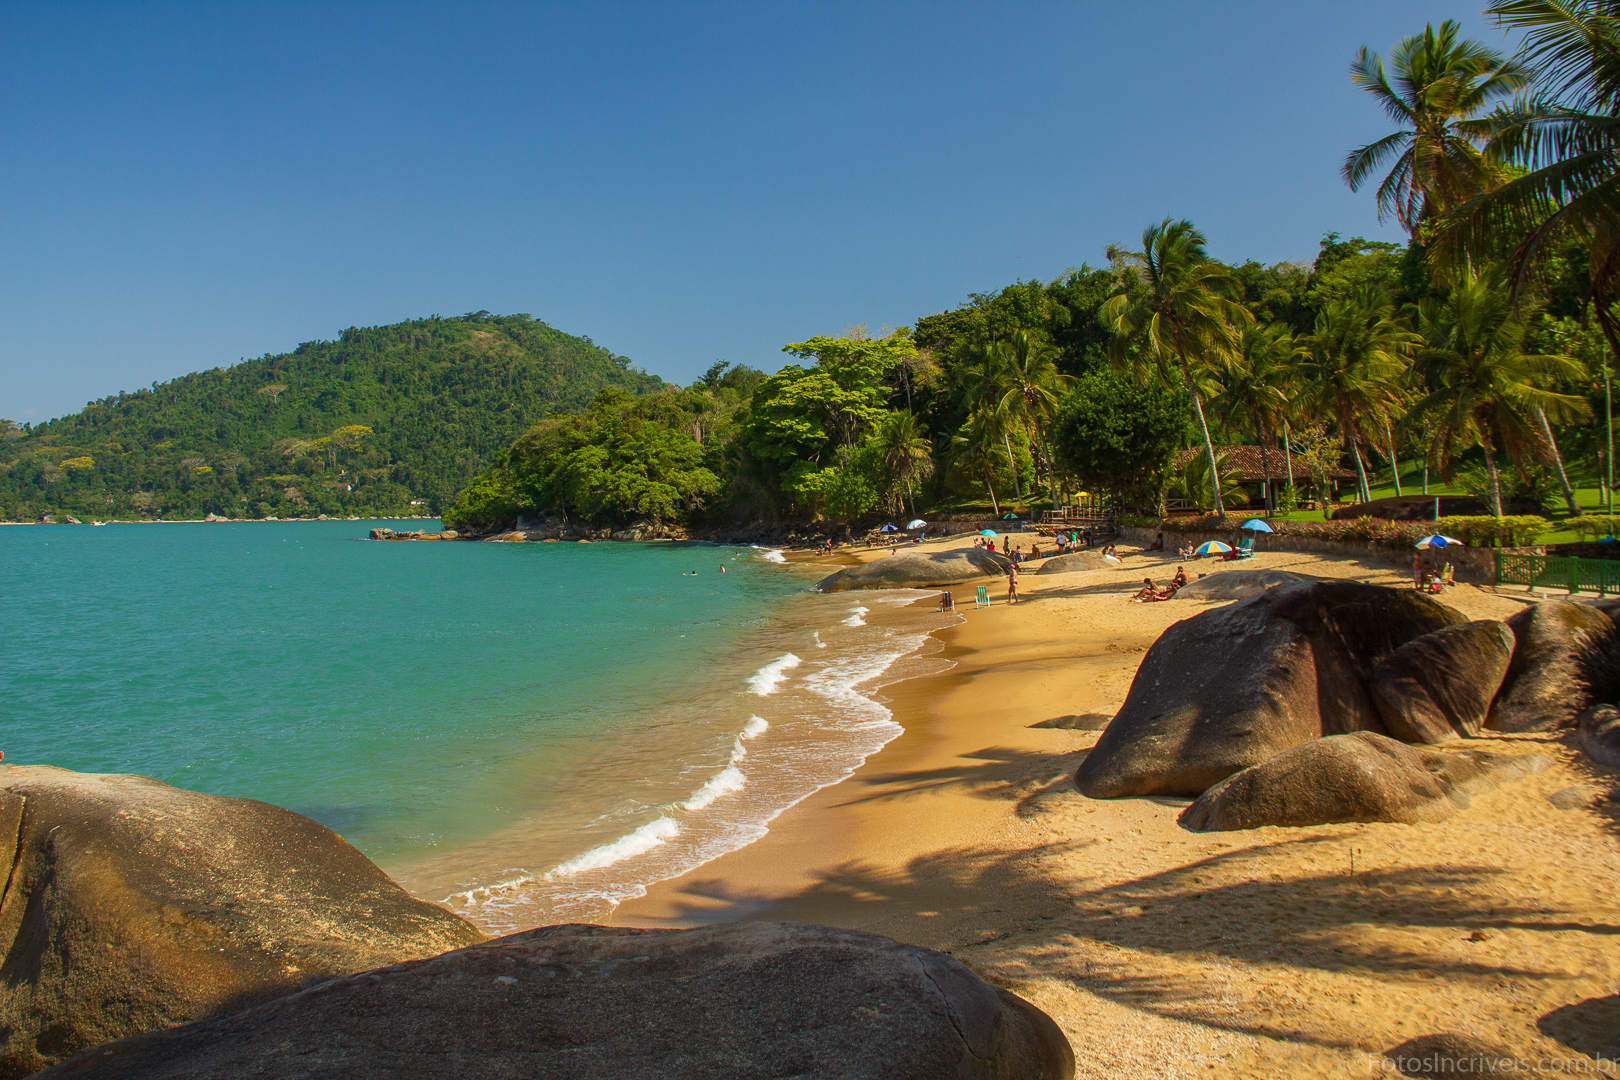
[
  {"x": 1245, "y": 548},
  {"x": 981, "y": 597}
]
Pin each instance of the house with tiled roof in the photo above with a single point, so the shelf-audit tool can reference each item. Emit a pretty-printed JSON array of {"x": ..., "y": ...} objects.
[{"x": 1246, "y": 459}]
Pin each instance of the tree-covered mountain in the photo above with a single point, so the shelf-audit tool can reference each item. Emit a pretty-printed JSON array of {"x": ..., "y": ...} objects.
[{"x": 380, "y": 419}]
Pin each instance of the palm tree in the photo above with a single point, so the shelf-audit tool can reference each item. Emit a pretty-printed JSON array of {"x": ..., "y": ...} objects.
[
  {"x": 1257, "y": 385},
  {"x": 1441, "y": 86},
  {"x": 1484, "y": 390},
  {"x": 1566, "y": 140},
  {"x": 1355, "y": 359},
  {"x": 982, "y": 384},
  {"x": 1031, "y": 378},
  {"x": 977, "y": 443},
  {"x": 903, "y": 444},
  {"x": 1182, "y": 305}
]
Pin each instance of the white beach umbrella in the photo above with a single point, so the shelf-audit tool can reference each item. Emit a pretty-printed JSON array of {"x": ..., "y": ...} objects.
[{"x": 918, "y": 524}]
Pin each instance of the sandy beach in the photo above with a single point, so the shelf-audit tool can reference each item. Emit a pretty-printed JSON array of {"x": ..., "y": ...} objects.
[{"x": 1272, "y": 952}]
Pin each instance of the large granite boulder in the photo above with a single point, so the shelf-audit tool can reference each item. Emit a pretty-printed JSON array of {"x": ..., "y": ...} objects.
[
  {"x": 589, "y": 1002},
  {"x": 1234, "y": 686},
  {"x": 133, "y": 905},
  {"x": 915, "y": 569},
  {"x": 1567, "y": 659},
  {"x": 1076, "y": 561},
  {"x": 1362, "y": 776},
  {"x": 1237, "y": 584},
  {"x": 1597, "y": 733},
  {"x": 1441, "y": 685}
]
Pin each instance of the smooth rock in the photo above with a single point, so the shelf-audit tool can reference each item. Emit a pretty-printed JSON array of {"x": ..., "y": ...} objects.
[
  {"x": 1567, "y": 658},
  {"x": 1237, "y": 584},
  {"x": 1076, "y": 561},
  {"x": 1441, "y": 685},
  {"x": 1091, "y": 721},
  {"x": 1235, "y": 686},
  {"x": 1576, "y": 797},
  {"x": 1362, "y": 776},
  {"x": 748, "y": 1000},
  {"x": 133, "y": 906},
  {"x": 1597, "y": 733},
  {"x": 903, "y": 569},
  {"x": 1447, "y": 1055}
]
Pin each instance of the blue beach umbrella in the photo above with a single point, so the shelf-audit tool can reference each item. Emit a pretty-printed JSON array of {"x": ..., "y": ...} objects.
[
  {"x": 987, "y": 532},
  {"x": 1605, "y": 540},
  {"x": 1213, "y": 547},
  {"x": 888, "y": 528},
  {"x": 1257, "y": 525},
  {"x": 1009, "y": 517},
  {"x": 1436, "y": 540}
]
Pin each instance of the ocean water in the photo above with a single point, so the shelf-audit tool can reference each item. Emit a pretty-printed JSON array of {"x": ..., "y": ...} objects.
[{"x": 528, "y": 733}]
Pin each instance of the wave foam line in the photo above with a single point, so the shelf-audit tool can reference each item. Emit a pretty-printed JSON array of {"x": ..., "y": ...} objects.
[
  {"x": 857, "y": 616},
  {"x": 765, "y": 681},
  {"x": 724, "y": 782},
  {"x": 628, "y": 846},
  {"x": 774, "y": 556},
  {"x": 816, "y": 634}
]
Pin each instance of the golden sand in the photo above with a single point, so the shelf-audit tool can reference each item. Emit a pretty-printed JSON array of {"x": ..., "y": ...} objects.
[{"x": 1161, "y": 952}]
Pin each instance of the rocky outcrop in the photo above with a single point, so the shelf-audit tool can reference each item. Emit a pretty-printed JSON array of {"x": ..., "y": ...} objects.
[
  {"x": 1237, "y": 584},
  {"x": 1440, "y": 686},
  {"x": 1597, "y": 733},
  {"x": 1076, "y": 561},
  {"x": 1362, "y": 776},
  {"x": 589, "y": 1002},
  {"x": 1235, "y": 686},
  {"x": 904, "y": 569},
  {"x": 418, "y": 534},
  {"x": 133, "y": 905},
  {"x": 1567, "y": 659}
]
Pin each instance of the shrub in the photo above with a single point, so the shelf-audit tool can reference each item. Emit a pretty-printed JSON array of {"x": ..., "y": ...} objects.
[
  {"x": 1487, "y": 531},
  {"x": 1592, "y": 526}
]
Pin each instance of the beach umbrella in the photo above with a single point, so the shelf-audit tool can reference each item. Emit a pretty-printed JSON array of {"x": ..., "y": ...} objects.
[
  {"x": 888, "y": 528},
  {"x": 1009, "y": 517},
  {"x": 918, "y": 524},
  {"x": 987, "y": 532},
  {"x": 1605, "y": 539},
  {"x": 1213, "y": 547},
  {"x": 1436, "y": 540},
  {"x": 1257, "y": 525}
]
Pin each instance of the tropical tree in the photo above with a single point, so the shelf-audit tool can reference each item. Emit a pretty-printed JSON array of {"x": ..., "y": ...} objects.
[
  {"x": 1442, "y": 85},
  {"x": 1257, "y": 386},
  {"x": 1182, "y": 307},
  {"x": 1353, "y": 367},
  {"x": 981, "y": 382},
  {"x": 903, "y": 444},
  {"x": 1565, "y": 141},
  {"x": 1030, "y": 375},
  {"x": 1483, "y": 389},
  {"x": 1196, "y": 486},
  {"x": 976, "y": 445}
]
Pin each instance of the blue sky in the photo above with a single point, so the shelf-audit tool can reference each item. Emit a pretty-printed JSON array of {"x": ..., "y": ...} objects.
[{"x": 182, "y": 185}]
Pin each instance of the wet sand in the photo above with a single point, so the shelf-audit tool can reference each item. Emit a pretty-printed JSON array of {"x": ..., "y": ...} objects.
[{"x": 1274, "y": 952}]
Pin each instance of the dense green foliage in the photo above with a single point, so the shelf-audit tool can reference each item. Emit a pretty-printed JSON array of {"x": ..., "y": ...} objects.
[
  {"x": 1115, "y": 434},
  {"x": 381, "y": 418}
]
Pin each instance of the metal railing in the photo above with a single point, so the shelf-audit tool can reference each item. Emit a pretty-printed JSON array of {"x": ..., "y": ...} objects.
[{"x": 1601, "y": 576}]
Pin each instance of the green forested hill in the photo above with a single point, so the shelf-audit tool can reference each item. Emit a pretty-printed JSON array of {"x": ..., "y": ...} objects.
[{"x": 364, "y": 424}]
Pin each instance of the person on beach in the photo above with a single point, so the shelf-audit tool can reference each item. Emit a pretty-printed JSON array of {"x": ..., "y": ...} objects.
[
  {"x": 1180, "y": 579},
  {"x": 1006, "y": 545},
  {"x": 1012, "y": 583},
  {"x": 722, "y": 568},
  {"x": 1034, "y": 551},
  {"x": 1087, "y": 535},
  {"x": 1146, "y": 592}
]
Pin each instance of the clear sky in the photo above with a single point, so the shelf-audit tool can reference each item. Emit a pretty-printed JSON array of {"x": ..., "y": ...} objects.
[{"x": 182, "y": 185}]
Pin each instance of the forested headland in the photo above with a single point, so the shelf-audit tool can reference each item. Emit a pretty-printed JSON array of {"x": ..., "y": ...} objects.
[
  {"x": 384, "y": 420},
  {"x": 1477, "y": 354}
]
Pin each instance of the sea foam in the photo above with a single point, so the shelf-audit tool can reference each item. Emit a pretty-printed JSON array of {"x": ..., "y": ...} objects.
[
  {"x": 721, "y": 783},
  {"x": 625, "y": 847},
  {"x": 857, "y": 616},
  {"x": 774, "y": 556},
  {"x": 765, "y": 681}
]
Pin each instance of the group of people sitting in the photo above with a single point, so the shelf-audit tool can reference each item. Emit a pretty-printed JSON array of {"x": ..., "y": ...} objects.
[
  {"x": 1431, "y": 581},
  {"x": 1150, "y": 592}
]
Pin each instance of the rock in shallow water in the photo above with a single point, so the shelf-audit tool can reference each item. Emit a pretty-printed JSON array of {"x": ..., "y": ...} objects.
[
  {"x": 1235, "y": 686},
  {"x": 903, "y": 569},
  {"x": 133, "y": 905},
  {"x": 750, "y": 1000},
  {"x": 1362, "y": 776}
]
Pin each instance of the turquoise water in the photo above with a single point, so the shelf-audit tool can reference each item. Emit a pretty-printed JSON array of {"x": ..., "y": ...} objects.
[{"x": 469, "y": 715}]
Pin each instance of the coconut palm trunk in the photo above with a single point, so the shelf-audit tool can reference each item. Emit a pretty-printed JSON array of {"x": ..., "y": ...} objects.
[
  {"x": 1288, "y": 454},
  {"x": 1209, "y": 444},
  {"x": 1265, "y": 467},
  {"x": 1495, "y": 477},
  {"x": 1394, "y": 460},
  {"x": 1012, "y": 467},
  {"x": 1365, "y": 494},
  {"x": 1558, "y": 460},
  {"x": 990, "y": 486},
  {"x": 1051, "y": 476}
]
